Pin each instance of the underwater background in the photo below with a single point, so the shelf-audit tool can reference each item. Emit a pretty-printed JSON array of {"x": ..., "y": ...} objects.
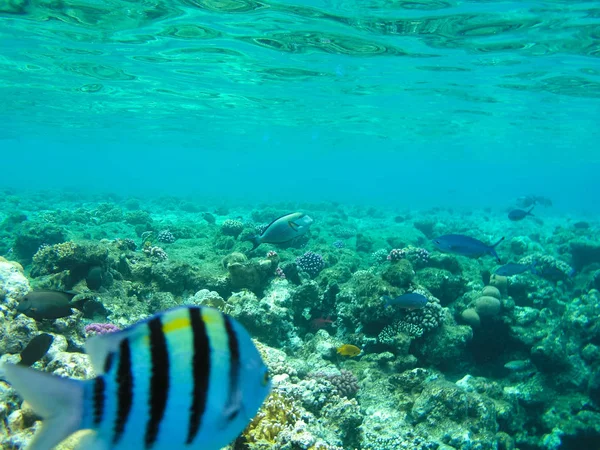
[{"x": 144, "y": 144}]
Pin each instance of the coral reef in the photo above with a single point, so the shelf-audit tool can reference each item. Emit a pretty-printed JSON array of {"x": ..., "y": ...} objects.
[{"x": 490, "y": 362}]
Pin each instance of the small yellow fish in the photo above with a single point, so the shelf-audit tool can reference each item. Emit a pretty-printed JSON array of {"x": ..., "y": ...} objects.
[{"x": 348, "y": 350}]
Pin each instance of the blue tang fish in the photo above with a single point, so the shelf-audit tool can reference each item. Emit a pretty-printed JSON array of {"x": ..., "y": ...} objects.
[
  {"x": 510, "y": 269},
  {"x": 283, "y": 229},
  {"x": 187, "y": 378},
  {"x": 410, "y": 300},
  {"x": 466, "y": 246},
  {"x": 519, "y": 214}
]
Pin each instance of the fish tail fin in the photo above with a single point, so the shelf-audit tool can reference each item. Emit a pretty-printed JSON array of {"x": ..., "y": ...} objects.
[
  {"x": 386, "y": 299},
  {"x": 493, "y": 250},
  {"x": 499, "y": 240},
  {"x": 530, "y": 209},
  {"x": 255, "y": 242},
  {"x": 533, "y": 267},
  {"x": 78, "y": 304},
  {"x": 58, "y": 400}
]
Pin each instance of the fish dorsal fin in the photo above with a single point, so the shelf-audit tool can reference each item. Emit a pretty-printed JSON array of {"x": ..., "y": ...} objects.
[
  {"x": 101, "y": 347},
  {"x": 280, "y": 217}
]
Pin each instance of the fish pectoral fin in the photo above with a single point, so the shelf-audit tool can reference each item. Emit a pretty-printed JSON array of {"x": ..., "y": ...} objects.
[
  {"x": 89, "y": 440},
  {"x": 293, "y": 225},
  {"x": 230, "y": 413}
]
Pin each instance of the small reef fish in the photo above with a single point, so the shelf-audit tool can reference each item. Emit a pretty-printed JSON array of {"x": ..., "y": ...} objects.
[
  {"x": 410, "y": 300},
  {"x": 510, "y": 269},
  {"x": 189, "y": 377},
  {"x": 348, "y": 350},
  {"x": 47, "y": 304},
  {"x": 36, "y": 349},
  {"x": 519, "y": 214},
  {"x": 320, "y": 322},
  {"x": 95, "y": 278},
  {"x": 283, "y": 229},
  {"x": 518, "y": 365},
  {"x": 466, "y": 246}
]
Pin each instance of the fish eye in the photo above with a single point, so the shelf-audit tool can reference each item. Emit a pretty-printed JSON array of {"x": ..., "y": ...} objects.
[{"x": 266, "y": 378}]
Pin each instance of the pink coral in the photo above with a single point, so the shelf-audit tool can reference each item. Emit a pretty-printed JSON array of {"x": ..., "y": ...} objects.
[{"x": 100, "y": 328}]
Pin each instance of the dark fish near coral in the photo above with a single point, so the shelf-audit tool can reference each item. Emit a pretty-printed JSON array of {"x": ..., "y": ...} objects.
[
  {"x": 519, "y": 214},
  {"x": 466, "y": 246},
  {"x": 283, "y": 229},
  {"x": 510, "y": 269},
  {"x": 582, "y": 225},
  {"x": 94, "y": 278},
  {"x": 518, "y": 365},
  {"x": 36, "y": 349},
  {"x": 47, "y": 304},
  {"x": 410, "y": 300},
  {"x": 554, "y": 273},
  {"x": 190, "y": 377}
]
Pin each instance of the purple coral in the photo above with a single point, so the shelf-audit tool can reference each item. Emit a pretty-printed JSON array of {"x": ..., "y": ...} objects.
[
  {"x": 345, "y": 383},
  {"x": 339, "y": 244},
  {"x": 312, "y": 263},
  {"x": 155, "y": 253},
  {"x": 166, "y": 237},
  {"x": 416, "y": 255},
  {"x": 100, "y": 328},
  {"x": 396, "y": 255}
]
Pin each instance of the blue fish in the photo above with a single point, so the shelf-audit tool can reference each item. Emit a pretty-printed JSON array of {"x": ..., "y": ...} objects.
[
  {"x": 466, "y": 246},
  {"x": 186, "y": 378},
  {"x": 410, "y": 300},
  {"x": 519, "y": 214},
  {"x": 510, "y": 269},
  {"x": 283, "y": 229}
]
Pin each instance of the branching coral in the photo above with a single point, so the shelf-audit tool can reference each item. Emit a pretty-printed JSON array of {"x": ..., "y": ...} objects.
[{"x": 278, "y": 413}]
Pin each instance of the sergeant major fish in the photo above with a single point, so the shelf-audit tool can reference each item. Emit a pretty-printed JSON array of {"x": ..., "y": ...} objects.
[
  {"x": 283, "y": 229},
  {"x": 466, "y": 246},
  {"x": 186, "y": 378}
]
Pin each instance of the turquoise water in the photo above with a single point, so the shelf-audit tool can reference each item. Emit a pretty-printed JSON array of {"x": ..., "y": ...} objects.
[
  {"x": 409, "y": 102},
  {"x": 146, "y": 145}
]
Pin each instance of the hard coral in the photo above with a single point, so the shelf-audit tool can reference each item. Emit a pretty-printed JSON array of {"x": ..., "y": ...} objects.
[
  {"x": 277, "y": 413},
  {"x": 312, "y": 263},
  {"x": 232, "y": 227}
]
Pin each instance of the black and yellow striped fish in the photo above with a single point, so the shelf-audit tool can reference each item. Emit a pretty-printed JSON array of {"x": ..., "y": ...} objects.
[{"x": 186, "y": 378}]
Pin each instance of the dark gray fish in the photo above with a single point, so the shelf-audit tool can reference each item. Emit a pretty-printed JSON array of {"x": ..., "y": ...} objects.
[
  {"x": 410, "y": 300},
  {"x": 94, "y": 278},
  {"x": 582, "y": 225},
  {"x": 510, "y": 269},
  {"x": 283, "y": 229},
  {"x": 36, "y": 349},
  {"x": 519, "y": 214},
  {"x": 466, "y": 246},
  {"x": 46, "y": 304}
]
